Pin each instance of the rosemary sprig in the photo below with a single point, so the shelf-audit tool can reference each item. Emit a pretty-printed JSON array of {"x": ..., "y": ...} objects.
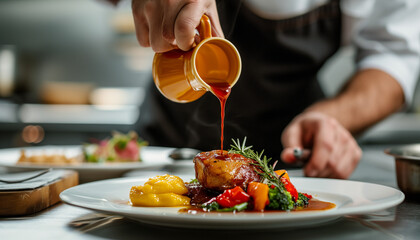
[{"x": 265, "y": 170}]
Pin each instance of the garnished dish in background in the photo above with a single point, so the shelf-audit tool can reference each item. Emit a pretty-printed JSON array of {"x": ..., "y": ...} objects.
[
  {"x": 119, "y": 148},
  {"x": 227, "y": 181}
]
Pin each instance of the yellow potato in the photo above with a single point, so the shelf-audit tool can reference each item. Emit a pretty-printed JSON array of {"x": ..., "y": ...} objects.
[
  {"x": 160, "y": 191},
  {"x": 164, "y": 184},
  {"x": 160, "y": 200}
]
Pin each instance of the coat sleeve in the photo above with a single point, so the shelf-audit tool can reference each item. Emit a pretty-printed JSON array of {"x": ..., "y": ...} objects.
[{"x": 389, "y": 40}]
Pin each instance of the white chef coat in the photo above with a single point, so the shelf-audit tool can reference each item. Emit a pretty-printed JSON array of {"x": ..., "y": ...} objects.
[{"x": 386, "y": 33}]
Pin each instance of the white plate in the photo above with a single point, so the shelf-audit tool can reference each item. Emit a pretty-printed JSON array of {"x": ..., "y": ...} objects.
[
  {"x": 154, "y": 158},
  {"x": 350, "y": 197}
]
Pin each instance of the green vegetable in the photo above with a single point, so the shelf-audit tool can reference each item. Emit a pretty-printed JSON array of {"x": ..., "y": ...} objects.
[
  {"x": 194, "y": 181},
  {"x": 302, "y": 201},
  {"x": 214, "y": 206},
  {"x": 121, "y": 143},
  {"x": 280, "y": 199},
  {"x": 211, "y": 206},
  {"x": 237, "y": 208},
  {"x": 90, "y": 158}
]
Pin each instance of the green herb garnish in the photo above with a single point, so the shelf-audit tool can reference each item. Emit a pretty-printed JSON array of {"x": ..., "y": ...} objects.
[
  {"x": 265, "y": 170},
  {"x": 279, "y": 197},
  {"x": 194, "y": 181}
]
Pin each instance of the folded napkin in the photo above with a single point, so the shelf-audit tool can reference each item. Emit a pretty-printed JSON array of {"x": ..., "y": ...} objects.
[{"x": 30, "y": 184}]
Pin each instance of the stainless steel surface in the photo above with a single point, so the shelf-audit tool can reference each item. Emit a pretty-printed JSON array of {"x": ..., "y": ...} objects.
[
  {"x": 408, "y": 177},
  {"x": 89, "y": 222},
  {"x": 54, "y": 46},
  {"x": 62, "y": 124},
  {"x": 409, "y": 152},
  {"x": 407, "y": 161},
  {"x": 183, "y": 153},
  {"x": 400, "y": 222}
]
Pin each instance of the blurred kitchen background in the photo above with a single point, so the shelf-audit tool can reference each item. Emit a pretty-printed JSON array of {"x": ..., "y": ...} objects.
[{"x": 73, "y": 70}]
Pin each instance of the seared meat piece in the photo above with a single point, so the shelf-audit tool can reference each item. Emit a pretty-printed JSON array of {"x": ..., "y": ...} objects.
[
  {"x": 217, "y": 170},
  {"x": 199, "y": 194}
]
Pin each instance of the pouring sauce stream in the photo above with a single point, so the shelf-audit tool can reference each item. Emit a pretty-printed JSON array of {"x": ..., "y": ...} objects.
[{"x": 222, "y": 91}]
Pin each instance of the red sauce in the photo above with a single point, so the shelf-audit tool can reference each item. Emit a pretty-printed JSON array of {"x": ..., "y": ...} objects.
[
  {"x": 222, "y": 91},
  {"x": 314, "y": 205},
  {"x": 221, "y": 155}
]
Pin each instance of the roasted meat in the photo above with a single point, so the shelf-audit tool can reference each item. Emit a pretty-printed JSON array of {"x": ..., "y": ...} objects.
[
  {"x": 199, "y": 194},
  {"x": 219, "y": 170}
]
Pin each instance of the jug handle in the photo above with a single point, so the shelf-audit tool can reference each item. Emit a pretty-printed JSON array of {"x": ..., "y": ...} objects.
[{"x": 204, "y": 29}]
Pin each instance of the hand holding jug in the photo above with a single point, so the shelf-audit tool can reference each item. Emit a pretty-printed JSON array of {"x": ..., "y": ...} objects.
[{"x": 185, "y": 76}]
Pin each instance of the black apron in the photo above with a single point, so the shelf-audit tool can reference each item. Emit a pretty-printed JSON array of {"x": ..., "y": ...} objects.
[{"x": 280, "y": 61}]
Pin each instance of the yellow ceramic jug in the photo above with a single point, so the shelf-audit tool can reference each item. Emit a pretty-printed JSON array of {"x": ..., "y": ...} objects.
[{"x": 184, "y": 76}]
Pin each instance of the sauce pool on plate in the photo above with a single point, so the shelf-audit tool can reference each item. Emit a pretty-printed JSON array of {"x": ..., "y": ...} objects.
[{"x": 314, "y": 205}]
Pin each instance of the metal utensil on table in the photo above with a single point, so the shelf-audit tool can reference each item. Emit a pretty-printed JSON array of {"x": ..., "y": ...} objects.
[
  {"x": 183, "y": 153},
  {"x": 92, "y": 221},
  {"x": 301, "y": 155},
  {"x": 25, "y": 178}
]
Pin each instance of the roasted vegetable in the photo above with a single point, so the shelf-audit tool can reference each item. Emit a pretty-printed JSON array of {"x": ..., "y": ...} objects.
[
  {"x": 259, "y": 193},
  {"x": 290, "y": 188},
  {"x": 282, "y": 173},
  {"x": 284, "y": 178},
  {"x": 232, "y": 197}
]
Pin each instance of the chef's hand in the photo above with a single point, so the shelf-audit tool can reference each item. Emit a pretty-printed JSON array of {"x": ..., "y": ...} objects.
[
  {"x": 335, "y": 152},
  {"x": 167, "y": 24}
]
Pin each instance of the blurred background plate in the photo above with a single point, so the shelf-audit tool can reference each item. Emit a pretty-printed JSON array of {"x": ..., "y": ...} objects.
[{"x": 153, "y": 158}]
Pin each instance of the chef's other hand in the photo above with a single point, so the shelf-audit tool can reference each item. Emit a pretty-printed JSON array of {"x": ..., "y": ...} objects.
[
  {"x": 335, "y": 152},
  {"x": 167, "y": 24}
]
